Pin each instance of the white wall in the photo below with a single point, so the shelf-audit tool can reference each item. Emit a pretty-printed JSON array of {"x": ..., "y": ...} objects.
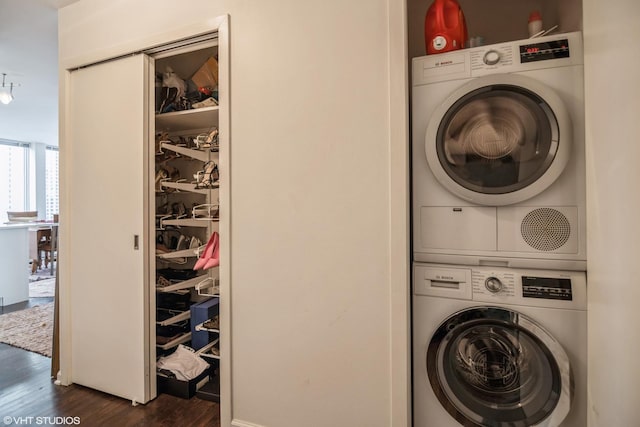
[
  {"x": 314, "y": 278},
  {"x": 612, "y": 95}
]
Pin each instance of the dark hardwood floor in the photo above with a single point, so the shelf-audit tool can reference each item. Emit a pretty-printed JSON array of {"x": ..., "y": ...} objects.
[{"x": 26, "y": 390}]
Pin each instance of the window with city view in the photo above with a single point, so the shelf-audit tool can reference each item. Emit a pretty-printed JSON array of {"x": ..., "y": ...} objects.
[
  {"x": 51, "y": 180},
  {"x": 14, "y": 162}
]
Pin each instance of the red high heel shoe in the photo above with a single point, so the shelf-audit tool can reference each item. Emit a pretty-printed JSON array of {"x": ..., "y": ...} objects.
[{"x": 210, "y": 257}]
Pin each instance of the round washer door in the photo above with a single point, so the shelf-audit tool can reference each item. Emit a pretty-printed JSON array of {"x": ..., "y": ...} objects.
[
  {"x": 491, "y": 366},
  {"x": 499, "y": 140}
]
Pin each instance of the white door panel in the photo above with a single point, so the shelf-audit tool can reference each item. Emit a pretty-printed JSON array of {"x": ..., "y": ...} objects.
[{"x": 108, "y": 120}]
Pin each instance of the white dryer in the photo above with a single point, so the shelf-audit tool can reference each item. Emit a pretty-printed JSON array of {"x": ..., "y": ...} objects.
[
  {"x": 499, "y": 347},
  {"x": 498, "y": 160}
]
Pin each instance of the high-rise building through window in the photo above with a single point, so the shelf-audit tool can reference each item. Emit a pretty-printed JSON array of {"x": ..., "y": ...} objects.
[
  {"x": 51, "y": 179},
  {"x": 14, "y": 167}
]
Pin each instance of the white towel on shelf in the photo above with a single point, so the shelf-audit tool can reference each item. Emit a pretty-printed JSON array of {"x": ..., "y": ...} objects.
[{"x": 184, "y": 363}]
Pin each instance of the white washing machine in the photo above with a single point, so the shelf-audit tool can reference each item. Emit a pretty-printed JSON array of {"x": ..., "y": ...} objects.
[
  {"x": 499, "y": 347},
  {"x": 498, "y": 159}
]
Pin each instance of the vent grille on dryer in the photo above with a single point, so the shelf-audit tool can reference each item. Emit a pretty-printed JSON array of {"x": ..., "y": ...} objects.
[{"x": 545, "y": 229}]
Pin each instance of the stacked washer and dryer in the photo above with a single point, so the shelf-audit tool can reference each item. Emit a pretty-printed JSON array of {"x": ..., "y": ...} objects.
[{"x": 499, "y": 249}]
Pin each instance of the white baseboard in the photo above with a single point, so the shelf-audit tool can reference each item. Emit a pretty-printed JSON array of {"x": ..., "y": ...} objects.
[{"x": 241, "y": 423}]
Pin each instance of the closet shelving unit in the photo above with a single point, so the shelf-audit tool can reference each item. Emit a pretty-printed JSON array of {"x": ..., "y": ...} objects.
[
  {"x": 206, "y": 350},
  {"x": 201, "y": 327},
  {"x": 186, "y": 222},
  {"x": 185, "y": 186},
  {"x": 185, "y": 284},
  {"x": 174, "y": 343},
  {"x": 178, "y": 316},
  {"x": 185, "y": 120},
  {"x": 188, "y": 159}
]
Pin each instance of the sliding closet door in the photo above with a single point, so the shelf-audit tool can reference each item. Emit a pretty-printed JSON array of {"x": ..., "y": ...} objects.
[{"x": 107, "y": 187}]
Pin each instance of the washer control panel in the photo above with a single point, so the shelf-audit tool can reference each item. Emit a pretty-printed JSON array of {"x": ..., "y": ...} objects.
[
  {"x": 497, "y": 56},
  {"x": 508, "y": 284},
  {"x": 502, "y": 283},
  {"x": 547, "y": 287}
]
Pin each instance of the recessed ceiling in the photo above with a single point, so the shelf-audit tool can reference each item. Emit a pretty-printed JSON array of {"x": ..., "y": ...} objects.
[{"x": 29, "y": 57}]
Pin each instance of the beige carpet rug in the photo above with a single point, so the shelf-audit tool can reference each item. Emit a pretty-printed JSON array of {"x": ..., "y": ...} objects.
[{"x": 30, "y": 329}]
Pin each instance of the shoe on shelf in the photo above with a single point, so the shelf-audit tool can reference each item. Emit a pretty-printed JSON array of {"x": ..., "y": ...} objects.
[
  {"x": 162, "y": 282},
  {"x": 209, "y": 102},
  {"x": 162, "y": 249},
  {"x": 160, "y": 138},
  {"x": 195, "y": 243},
  {"x": 207, "y": 176},
  {"x": 210, "y": 257},
  {"x": 206, "y": 211},
  {"x": 174, "y": 174},
  {"x": 207, "y": 140},
  {"x": 212, "y": 323},
  {"x": 182, "y": 243},
  {"x": 161, "y": 175},
  {"x": 179, "y": 210}
]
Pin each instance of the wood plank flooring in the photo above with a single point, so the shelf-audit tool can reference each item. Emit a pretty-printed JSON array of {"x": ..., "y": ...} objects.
[{"x": 26, "y": 390}]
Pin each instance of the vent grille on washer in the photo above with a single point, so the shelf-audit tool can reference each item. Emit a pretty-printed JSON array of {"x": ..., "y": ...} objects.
[{"x": 545, "y": 229}]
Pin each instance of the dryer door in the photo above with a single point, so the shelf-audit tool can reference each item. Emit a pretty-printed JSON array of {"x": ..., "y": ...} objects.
[
  {"x": 490, "y": 366},
  {"x": 499, "y": 139}
]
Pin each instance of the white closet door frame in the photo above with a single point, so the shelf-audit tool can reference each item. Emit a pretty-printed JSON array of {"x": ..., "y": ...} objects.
[
  {"x": 106, "y": 255},
  {"x": 224, "y": 124},
  {"x": 67, "y": 197}
]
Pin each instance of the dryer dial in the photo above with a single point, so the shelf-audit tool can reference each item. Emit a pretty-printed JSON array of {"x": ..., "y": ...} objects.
[
  {"x": 491, "y": 57},
  {"x": 493, "y": 285}
]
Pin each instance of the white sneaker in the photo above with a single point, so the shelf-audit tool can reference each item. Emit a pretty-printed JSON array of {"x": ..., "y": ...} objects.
[
  {"x": 182, "y": 243},
  {"x": 195, "y": 243}
]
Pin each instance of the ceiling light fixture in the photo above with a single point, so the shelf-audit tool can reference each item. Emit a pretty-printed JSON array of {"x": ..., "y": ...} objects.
[{"x": 6, "y": 96}]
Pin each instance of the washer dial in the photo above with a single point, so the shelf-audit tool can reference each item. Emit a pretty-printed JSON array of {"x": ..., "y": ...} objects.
[
  {"x": 493, "y": 284},
  {"x": 491, "y": 57}
]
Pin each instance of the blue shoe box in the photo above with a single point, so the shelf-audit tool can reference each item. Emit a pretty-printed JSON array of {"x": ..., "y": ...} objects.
[{"x": 201, "y": 312}]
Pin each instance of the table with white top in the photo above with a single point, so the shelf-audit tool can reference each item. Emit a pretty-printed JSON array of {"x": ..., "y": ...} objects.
[{"x": 14, "y": 263}]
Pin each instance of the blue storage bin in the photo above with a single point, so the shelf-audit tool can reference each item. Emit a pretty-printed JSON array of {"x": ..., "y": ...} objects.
[{"x": 199, "y": 313}]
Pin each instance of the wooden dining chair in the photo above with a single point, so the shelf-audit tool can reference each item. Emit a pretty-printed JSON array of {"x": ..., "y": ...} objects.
[{"x": 42, "y": 238}]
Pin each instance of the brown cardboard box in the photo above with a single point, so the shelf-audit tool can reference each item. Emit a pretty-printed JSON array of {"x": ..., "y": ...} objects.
[{"x": 207, "y": 75}]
